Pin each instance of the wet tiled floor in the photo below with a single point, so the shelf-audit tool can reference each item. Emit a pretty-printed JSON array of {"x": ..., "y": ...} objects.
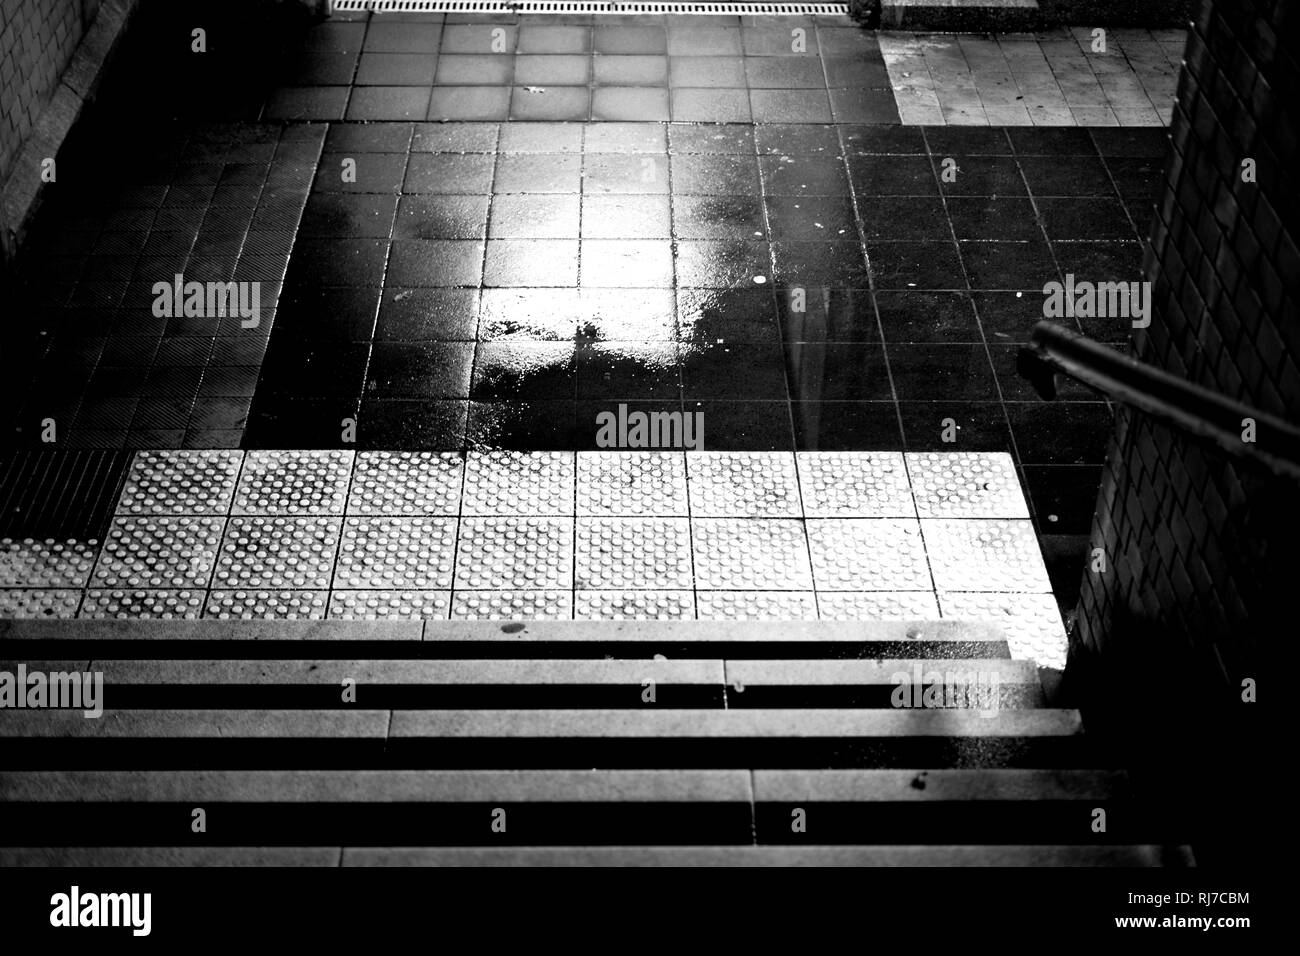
[
  {"x": 714, "y": 69},
  {"x": 1083, "y": 76},
  {"x": 458, "y": 248},
  {"x": 586, "y": 535}
]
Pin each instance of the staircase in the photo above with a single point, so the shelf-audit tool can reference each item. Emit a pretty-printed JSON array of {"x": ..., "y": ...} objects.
[{"x": 657, "y": 743}]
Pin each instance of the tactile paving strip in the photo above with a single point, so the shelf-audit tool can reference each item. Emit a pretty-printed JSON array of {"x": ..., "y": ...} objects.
[
  {"x": 416, "y": 553},
  {"x": 386, "y": 531},
  {"x": 519, "y": 483},
  {"x": 1032, "y": 622},
  {"x": 279, "y": 552},
  {"x": 618, "y": 553},
  {"x": 634, "y": 605},
  {"x": 756, "y": 606},
  {"x": 743, "y": 484},
  {"x": 984, "y": 555},
  {"x": 839, "y": 484},
  {"x": 966, "y": 485},
  {"x": 634, "y": 483},
  {"x": 406, "y": 483},
  {"x": 180, "y": 483},
  {"x": 293, "y": 483},
  {"x": 751, "y": 555},
  {"x": 868, "y": 554}
]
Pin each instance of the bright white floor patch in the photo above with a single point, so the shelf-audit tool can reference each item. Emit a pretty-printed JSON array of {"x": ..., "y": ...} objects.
[
  {"x": 555, "y": 535},
  {"x": 1059, "y": 78}
]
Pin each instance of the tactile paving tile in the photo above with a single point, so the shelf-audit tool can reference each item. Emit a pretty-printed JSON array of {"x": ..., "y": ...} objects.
[
  {"x": 293, "y": 483},
  {"x": 972, "y": 554},
  {"x": 46, "y": 564},
  {"x": 877, "y": 606},
  {"x": 1031, "y": 622},
  {"x": 966, "y": 485},
  {"x": 756, "y": 484},
  {"x": 278, "y": 553},
  {"x": 519, "y": 483},
  {"x": 512, "y": 606},
  {"x": 406, "y": 483},
  {"x": 415, "y": 553},
  {"x": 631, "y": 483},
  {"x": 180, "y": 483},
  {"x": 161, "y": 552},
  {"x": 634, "y": 606},
  {"x": 618, "y": 553},
  {"x": 868, "y": 554},
  {"x": 515, "y": 553},
  {"x": 850, "y": 484},
  {"x": 266, "y": 605},
  {"x": 751, "y": 554},
  {"x": 756, "y": 605},
  {"x": 165, "y": 605},
  {"x": 389, "y": 605},
  {"x": 45, "y": 603}
]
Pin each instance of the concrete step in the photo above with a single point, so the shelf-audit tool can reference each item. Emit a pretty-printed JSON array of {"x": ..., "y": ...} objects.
[
  {"x": 526, "y": 739},
  {"x": 961, "y": 855},
  {"x": 574, "y": 807},
  {"x": 550, "y": 683},
  {"x": 101, "y": 640}
]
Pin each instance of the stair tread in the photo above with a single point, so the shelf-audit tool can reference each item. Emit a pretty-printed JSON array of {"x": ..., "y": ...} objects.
[
  {"x": 276, "y": 786},
  {"x": 696, "y": 723},
  {"x": 502, "y": 631},
  {"x": 901, "y": 855}
]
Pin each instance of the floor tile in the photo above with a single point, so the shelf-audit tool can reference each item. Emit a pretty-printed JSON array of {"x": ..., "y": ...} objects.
[
  {"x": 631, "y": 483},
  {"x": 736, "y": 484},
  {"x": 756, "y": 605},
  {"x": 162, "y": 552},
  {"x": 519, "y": 483},
  {"x": 514, "y": 553},
  {"x": 512, "y": 605},
  {"x": 750, "y": 554},
  {"x": 868, "y": 554},
  {"x": 293, "y": 483},
  {"x": 174, "y": 483},
  {"x": 634, "y": 606},
  {"x": 633, "y": 553},
  {"x": 406, "y": 483},
  {"x": 394, "y": 605},
  {"x": 965, "y": 485},
  {"x": 984, "y": 555},
  {"x": 877, "y": 605},
  {"x": 415, "y": 553},
  {"x": 858, "y": 484}
]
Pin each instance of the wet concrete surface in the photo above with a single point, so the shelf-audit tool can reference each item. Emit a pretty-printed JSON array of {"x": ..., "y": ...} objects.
[{"x": 703, "y": 223}]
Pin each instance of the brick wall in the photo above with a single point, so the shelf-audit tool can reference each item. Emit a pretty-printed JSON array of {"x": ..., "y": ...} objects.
[
  {"x": 1199, "y": 547},
  {"x": 37, "y": 39}
]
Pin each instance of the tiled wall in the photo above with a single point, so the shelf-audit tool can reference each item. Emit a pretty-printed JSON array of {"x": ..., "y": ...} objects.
[
  {"x": 37, "y": 39},
  {"x": 1196, "y": 544}
]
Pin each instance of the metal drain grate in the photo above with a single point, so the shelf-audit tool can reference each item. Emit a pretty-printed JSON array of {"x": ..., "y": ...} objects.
[{"x": 537, "y": 7}]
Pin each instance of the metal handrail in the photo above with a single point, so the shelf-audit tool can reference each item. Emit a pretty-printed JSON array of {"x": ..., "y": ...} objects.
[{"x": 1192, "y": 408}]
